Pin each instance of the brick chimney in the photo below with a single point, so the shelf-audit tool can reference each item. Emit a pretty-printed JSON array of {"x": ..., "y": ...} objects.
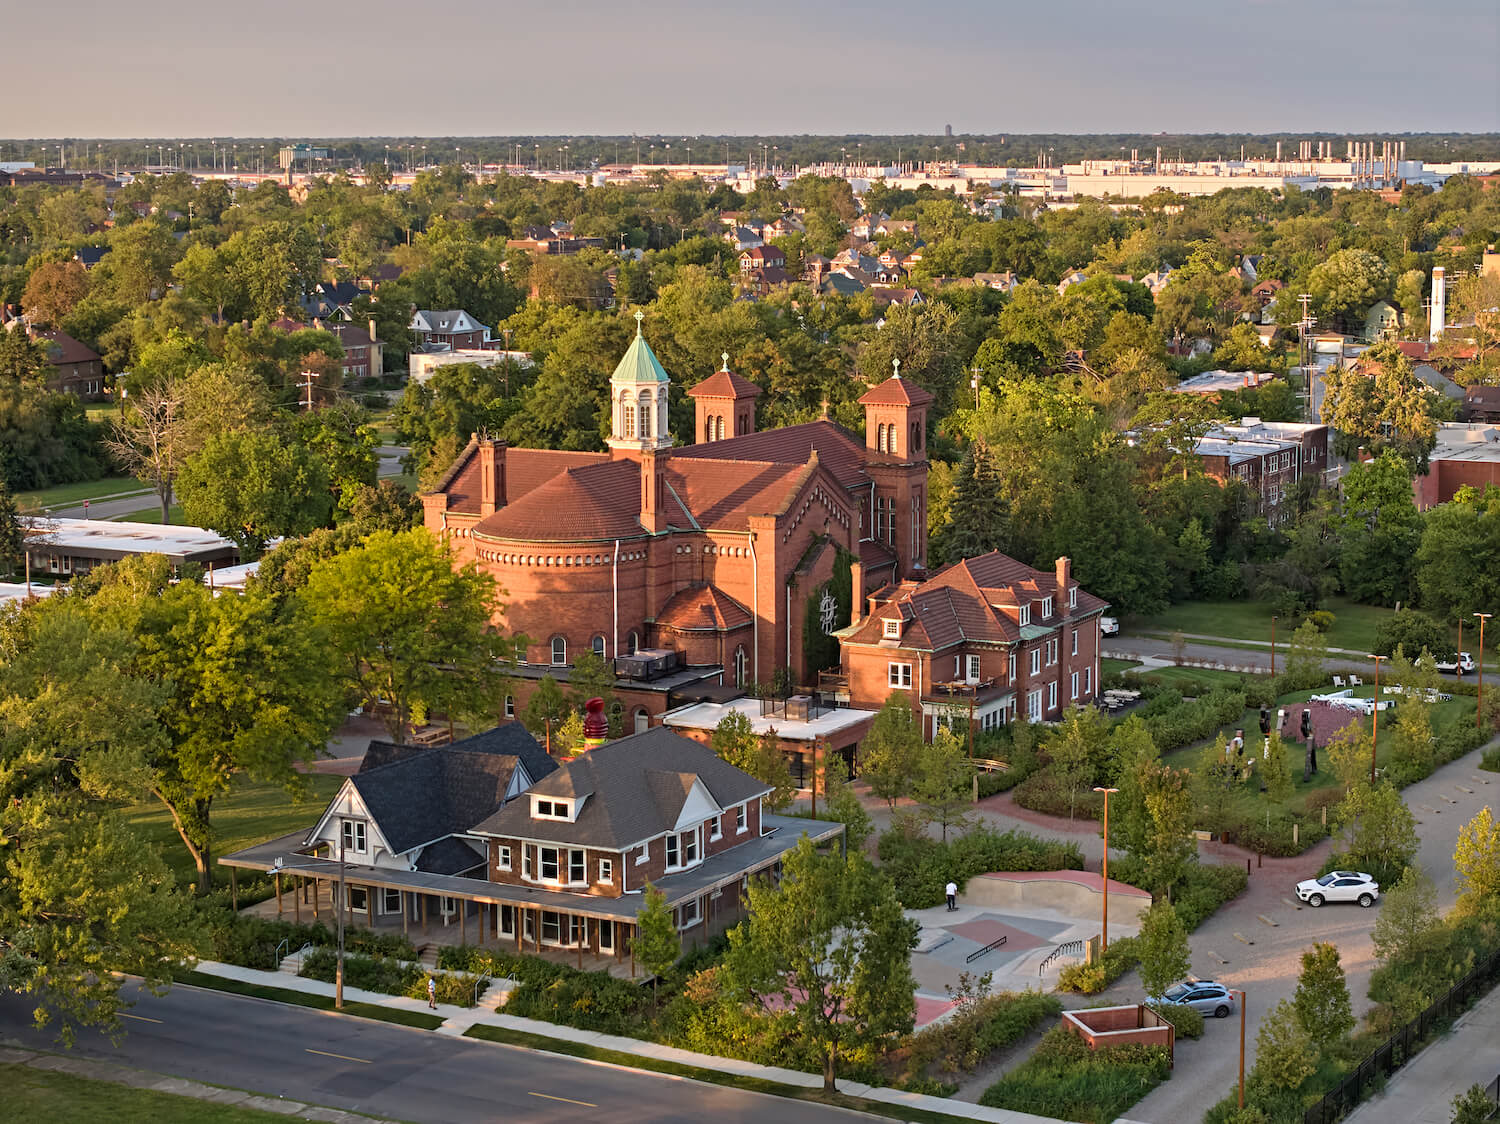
[
  {"x": 654, "y": 490},
  {"x": 857, "y": 588},
  {"x": 1064, "y": 578},
  {"x": 491, "y": 476}
]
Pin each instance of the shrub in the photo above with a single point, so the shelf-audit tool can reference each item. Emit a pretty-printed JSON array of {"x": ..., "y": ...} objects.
[
  {"x": 1065, "y": 1078},
  {"x": 1491, "y": 760},
  {"x": 455, "y": 990},
  {"x": 1322, "y": 619},
  {"x": 1411, "y": 631},
  {"x": 1188, "y": 1021},
  {"x": 469, "y": 958},
  {"x": 368, "y": 972},
  {"x": 588, "y": 1000},
  {"x": 992, "y": 783},
  {"x": 920, "y": 866},
  {"x": 1207, "y": 887},
  {"x": 251, "y": 942},
  {"x": 965, "y": 1039},
  {"x": 1272, "y": 835},
  {"x": 1091, "y": 979},
  {"x": 1322, "y": 798},
  {"x": 1045, "y": 792},
  {"x": 1195, "y": 720}
]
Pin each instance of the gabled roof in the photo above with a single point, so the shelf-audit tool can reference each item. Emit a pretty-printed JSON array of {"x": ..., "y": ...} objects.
[
  {"x": 636, "y": 788},
  {"x": 444, "y": 320},
  {"x": 63, "y": 348},
  {"x": 703, "y": 608},
  {"x": 725, "y": 384},
  {"x": 839, "y": 451},
  {"x": 426, "y": 796},
  {"x": 896, "y": 391}
]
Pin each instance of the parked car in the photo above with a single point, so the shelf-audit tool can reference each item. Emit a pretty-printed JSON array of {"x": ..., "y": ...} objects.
[
  {"x": 1340, "y": 886},
  {"x": 1463, "y": 663},
  {"x": 1202, "y": 995},
  {"x": 1109, "y": 626}
]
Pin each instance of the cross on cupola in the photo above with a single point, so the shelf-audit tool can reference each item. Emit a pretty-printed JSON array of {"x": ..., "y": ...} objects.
[{"x": 638, "y": 398}]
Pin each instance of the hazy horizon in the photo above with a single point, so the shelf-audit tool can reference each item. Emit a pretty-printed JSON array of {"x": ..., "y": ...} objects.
[{"x": 584, "y": 68}]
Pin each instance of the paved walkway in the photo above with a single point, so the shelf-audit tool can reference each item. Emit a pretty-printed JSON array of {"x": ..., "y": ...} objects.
[
  {"x": 457, "y": 1020},
  {"x": 1422, "y": 1091},
  {"x": 177, "y": 1086}
]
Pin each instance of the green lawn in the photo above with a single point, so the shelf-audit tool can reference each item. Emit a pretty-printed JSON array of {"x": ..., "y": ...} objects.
[
  {"x": 659, "y": 1065},
  {"x": 1354, "y": 625},
  {"x": 38, "y": 1095},
  {"x": 247, "y": 814},
  {"x": 399, "y": 1015},
  {"x": 151, "y": 514},
  {"x": 1114, "y": 667},
  {"x": 71, "y": 495},
  {"x": 407, "y": 480},
  {"x": 1177, "y": 676}
]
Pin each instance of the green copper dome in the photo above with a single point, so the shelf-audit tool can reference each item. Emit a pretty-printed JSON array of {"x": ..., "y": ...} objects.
[{"x": 639, "y": 364}]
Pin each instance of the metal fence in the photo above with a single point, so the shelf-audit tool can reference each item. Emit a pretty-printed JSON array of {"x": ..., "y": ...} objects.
[{"x": 1401, "y": 1046}]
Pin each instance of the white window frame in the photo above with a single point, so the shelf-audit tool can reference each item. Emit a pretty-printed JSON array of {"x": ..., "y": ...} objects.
[
  {"x": 1052, "y": 695},
  {"x": 1087, "y": 680},
  {"x": 606, "y": 935},
  {"x": 892, "y": 629},
  {"x": 673, "y": 846},
  {"x": 578, "y": 867},
  {"x": 559, "y": 651},
  {"x": 686, "y": 922},
  {"x": 385, "y": 900},
  {"x": 362, "y": 893},
  {"x": 552, "y": 809},
  {"x": 1046, "y": 607},
  {"x": 1036, "y": 661},
  {"x": 541, "y": 865},
  {"x": 973, "y": 668},
  {"x": 715, "y": 829},
  {"x": 1072, "y": 597},
  {"x": 1011, "y": 678},
  {"x": 354, "y": 837},
  {"x": 644, "y": 855},
  {"x": 1075, "y": 685},
  {"x": 510, "y": 706},
  {"x": 528, "y": 863},
  {"x": 1024, "y": 615},
  {"x": 1034, "y": 706},
  {"x": 502, "y": 857},
  {"x": 1075, "y": 641},
  {"x": 607, "y": 870},
  {"x": 741, "y": 819},
  {"x": 692, "y": 847},
  {"x": 898, "y": 675}
]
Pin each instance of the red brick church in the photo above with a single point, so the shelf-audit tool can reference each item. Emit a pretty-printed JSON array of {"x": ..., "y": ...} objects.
[{"x": 714, "y": 550}]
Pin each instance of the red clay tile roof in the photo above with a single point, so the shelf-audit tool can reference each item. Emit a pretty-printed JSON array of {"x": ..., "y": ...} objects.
[
  {"x": 588, "y": 504},
  {"x": 724, "y": 493},
  {"x": 725, "y": 384},
  {"x": 526, "y": 470},
  {"x": 875, "y": 555},
  {"x": 703, "y": 607},
  {"x": 896, "y": 391},
  {"x": 839, "y": 451}
]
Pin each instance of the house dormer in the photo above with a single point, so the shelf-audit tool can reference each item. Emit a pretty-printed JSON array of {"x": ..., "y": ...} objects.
[
  {"x": 1023, "y": 613},
  {"x": 558, "y": 808},
  {"x": 1046, "y": 608}
]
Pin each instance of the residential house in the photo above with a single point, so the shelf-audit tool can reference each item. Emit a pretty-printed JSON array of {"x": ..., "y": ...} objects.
[
  {"x": 362, "y": 352},
  {"x": 887, "y": 295},
  {"x": 1482, "y": 403},
  {"x": 1267, "y": 457},
  {"x": 1211, "y": 384},
  {"x": 985, "y": 640},
  {"x": 1000, "y": 282},
  {"x": 1074, "y": 278},
  {"x": 549, "y": 857},
  {"x": 76, "y": 369},
  {"x": 447, "y": 329},
  {"x": 762, "y": 257},
  {"x": 743, "y": 238},
  {"x": 1250, "y": 267},
  {"x": 1382, "y": 322},
  {"x": 90, "y": 256},
  {"x": 1157, "y": 279}
]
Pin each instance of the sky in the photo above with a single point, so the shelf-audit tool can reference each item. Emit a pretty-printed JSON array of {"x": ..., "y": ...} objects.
[{"x": 281, "y": 68}]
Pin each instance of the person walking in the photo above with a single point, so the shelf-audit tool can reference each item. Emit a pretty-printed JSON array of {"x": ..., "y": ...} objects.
[
  {"x": 432, "y": 992},
  {"x": 952, "y": 891}
]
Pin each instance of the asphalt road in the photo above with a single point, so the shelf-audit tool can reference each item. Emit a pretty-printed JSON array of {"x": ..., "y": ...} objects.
[{"x": 367, "y": 1066}]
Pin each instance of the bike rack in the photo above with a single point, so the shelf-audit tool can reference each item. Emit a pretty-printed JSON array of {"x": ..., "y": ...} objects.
[{"x": 1061, "y": 950}]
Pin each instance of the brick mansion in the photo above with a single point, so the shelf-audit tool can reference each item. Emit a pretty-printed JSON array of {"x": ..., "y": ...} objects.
[{"x": 703, "y": 563}]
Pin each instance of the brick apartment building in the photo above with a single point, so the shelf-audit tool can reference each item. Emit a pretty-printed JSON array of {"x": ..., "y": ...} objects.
[
  {"x": 1465, "y": 455},
  {"x": 716, "y": 552},
  {"x": 988, "y": 636},
  {"x": 1267, "y": 457}
]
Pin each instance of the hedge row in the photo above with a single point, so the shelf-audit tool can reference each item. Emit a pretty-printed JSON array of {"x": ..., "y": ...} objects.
[
  {"x": 964, "y": 1040},
  {"x": 1196, "y": 720},
  {"x": 920, "y": 866},
  {"x": 391, "y": 977},
  {"x": 251, "y": 942}
]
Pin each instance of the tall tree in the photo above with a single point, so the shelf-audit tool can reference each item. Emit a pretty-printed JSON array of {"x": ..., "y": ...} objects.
[
  {"x": 53, "y": 290},
  {"x": 1458, "y": 563},
  {"x": 21, "y": 358},
  {"x": 1163, "y": 947},
  {"x": 82, "y": 898},
  {"x": 657, "y": 943},
  {"x": 1322, "y": 1000},
  {"x": 1381, "y": 531},
  {"x": 147, "y": 441},
  {"x": 942, "y": 788},
  {"x": 1476, "y": 860},
  {"x": 1076, "y": 750},
  {"x": 1285, "y": 1056},
  {"x": 252, "y": 487},
  {"x": 888, "y": 753},
  {"x": 831, "y": 945},
  {"x": 405, "y": 626},
  {"x": 546, "y": 710}
]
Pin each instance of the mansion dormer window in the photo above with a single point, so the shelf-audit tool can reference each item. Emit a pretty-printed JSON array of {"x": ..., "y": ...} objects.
[
  {"x": 1073, "y": 597},
  {"x": 1024, "y": 616},
  {"x": 354, "y": 836},
  {"x": 893, "y": 629},
  {"x": 1046, "y": 607}
]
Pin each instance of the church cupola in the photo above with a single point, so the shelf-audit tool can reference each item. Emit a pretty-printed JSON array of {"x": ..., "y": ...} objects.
[
  {"x": 723, "y": 405},
  {"x": 896, "y": 417},
  {"x": 638, "y": 399}
]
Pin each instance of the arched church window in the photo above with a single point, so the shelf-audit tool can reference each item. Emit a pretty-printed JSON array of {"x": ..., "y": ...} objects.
[
  {"x": 559, "y": 651},
  {"x": 645, "y": 416},
  {"x": 628, "y": 416},
  {"x": 719, "y": 428},
  {"x": 598, "y": 646},
  {"x": 880, "y": 438}
]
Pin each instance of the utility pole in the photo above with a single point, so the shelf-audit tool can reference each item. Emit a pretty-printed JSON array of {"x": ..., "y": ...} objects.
[
  {"x": 338, "y": 978},
  {"x": 1104, "y": 879},
  {"x": 307, "y": 385},
  {"x": 1479, "y": 708}
]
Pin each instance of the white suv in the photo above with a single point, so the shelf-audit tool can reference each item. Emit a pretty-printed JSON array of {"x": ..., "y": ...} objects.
[
  {"x": 1339, "y": 886},
  {"x": 1463, "y": 663}
]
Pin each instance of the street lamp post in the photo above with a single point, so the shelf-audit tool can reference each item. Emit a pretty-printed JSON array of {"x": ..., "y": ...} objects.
[
  {"x": 1104, "y": 936},
  {"x": 1242, "y": 1041},
  {"x": 1273, "y": 645},
  {"x": 1458, "y": 671},
  {"x": 1479, "y": 707},
  {"x": 1375, "y": 728}
]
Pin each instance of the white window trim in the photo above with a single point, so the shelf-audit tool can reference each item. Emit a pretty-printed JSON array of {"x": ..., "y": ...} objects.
[
  {"x": 670, "y": 844},
  {"x": 1075, "y": 641},
  {"x": 1046, "y": 607},
  {"x": 1036, "y": 661},
  {"x": 1072, "y": 597},
  {"x": 385, "y": 907},
  {"x": 502, "y": 857},
  {"x": 715, "y": 829},
  {"x": 1075, "y": 685},
  {"x": 645, "y": 854},
  {"x": 892, "y": 629},
  {"x": 898, "y": 675},
  {"x": 741, "y": 819},
  {"x": 1024, "y": 615},
  {"x": 510, "y": 706},
  {"x": 682, "y": 911},
  {"x": 583, "y": 866},
  {"x": 1052, "y": 695},
  {"x": 354, "y": 835},
  {"x": 607, "y": 870}
]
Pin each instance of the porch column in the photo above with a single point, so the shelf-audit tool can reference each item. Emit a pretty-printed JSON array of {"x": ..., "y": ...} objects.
[
  {"x": 317, "y": 888},
  {"x": 539, "y": 931},
  {"x": 632, "y": 952},
  {"x": 463, "y": 919},
  {"x": 405, "y": 914},
  {"x": 424, "y": 915},
  {"x": 297, "y": 891},
  {"x": 483, "y": 909},
  {"x": 708, "y": 904},
  {"x": 581, "y": 941},
  {"x": 517, "y": 917},
  {"x": 277, "y": 879}
]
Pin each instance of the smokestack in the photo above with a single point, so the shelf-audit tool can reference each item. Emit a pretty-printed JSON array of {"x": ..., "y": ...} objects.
[
  {"x": 1439, "y": 304},
  {"x": 373, "y": 337}
]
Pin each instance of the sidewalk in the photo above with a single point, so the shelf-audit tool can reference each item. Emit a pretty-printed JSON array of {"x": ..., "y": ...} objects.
[
  {"x": 457, "y": 1020},
  {"x": 1422, "y": 1091},
  {"x": 177, "y": 1086}
]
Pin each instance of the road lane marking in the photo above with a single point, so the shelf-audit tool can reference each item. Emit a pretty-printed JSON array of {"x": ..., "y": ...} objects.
[
  {"x": 341, "y": 1057},
  {"x": 565, "y": 1100},
  {"x": 138, "y": 1018}
]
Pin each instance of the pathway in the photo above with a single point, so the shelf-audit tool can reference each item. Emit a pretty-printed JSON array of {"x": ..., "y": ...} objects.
[{"x": 1422, "y": 1091}]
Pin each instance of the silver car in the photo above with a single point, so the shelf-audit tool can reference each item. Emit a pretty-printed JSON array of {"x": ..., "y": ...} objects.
[{"x": 1205, "y": 996}]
